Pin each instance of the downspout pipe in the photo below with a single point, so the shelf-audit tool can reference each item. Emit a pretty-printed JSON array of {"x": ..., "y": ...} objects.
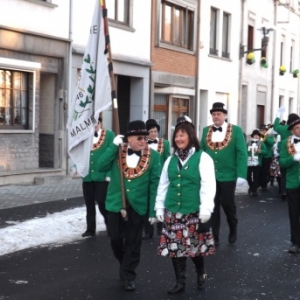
[{"x": 197, "y": 93}]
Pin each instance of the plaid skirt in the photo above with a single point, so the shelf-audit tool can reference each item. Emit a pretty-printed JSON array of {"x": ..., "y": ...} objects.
[{"x": 181, "y": 236}]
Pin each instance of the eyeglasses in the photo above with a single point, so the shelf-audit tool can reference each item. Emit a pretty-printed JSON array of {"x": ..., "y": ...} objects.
[{"x": 140, "y": 138}]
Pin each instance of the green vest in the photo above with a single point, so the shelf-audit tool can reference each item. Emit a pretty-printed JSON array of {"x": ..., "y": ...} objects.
[{"x": 183, "y": 191}]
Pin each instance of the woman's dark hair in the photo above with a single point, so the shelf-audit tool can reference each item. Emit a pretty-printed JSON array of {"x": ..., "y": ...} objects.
[{"x": 190, "y": 130}]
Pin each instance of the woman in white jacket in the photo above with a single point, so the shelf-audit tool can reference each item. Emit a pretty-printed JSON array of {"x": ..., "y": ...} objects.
[{"x": 185, "y": 202}]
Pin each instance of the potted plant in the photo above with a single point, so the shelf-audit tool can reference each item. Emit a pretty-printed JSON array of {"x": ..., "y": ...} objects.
[
  {"x": 296, "y": 73},
  {"x": 263, "y": 62},
  {"x": 282, "y": 70},
  {"x": 250, "y": 58}
]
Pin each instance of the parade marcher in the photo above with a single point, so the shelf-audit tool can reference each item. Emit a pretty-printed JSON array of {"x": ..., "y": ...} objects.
[
  {"x": 282, "y": 129},
  {"x": 289, "y": 159},
  {"x": 141, "y": 170},
  {"x": 94, "y": 185},
  {"x": 268, "y": 140},
  {"x": 185, "y": 201},
  {"x": 255, "y": 152},
  {"x": 275, "y": 167},
  {"x": 225, "y": 144},
  {"x": 162, "y": 146}
]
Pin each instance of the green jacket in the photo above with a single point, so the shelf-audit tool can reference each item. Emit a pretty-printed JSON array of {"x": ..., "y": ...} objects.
[
  {"x": 269, "y": 142},
  {"x": 230, "y": 156},
  {"x": 138, "y": 188},
  {"x": 183, "y": 191},
  {"x": 286, "y": 160},
  {"x": 104, "y": 141},
  {"x": 282, "y": 130}
]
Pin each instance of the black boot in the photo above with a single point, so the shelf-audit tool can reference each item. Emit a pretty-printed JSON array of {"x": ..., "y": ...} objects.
[
  {"x": 201, "y": 275},
  {"x": 179, "y": 264}
]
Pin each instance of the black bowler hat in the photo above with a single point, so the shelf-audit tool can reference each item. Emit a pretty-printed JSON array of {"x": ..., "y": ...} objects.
[
  {"x": 151, "y": 123},
  {"x": 254, "y": 132},
  {"x": 184, "y": 119},
  {"x": 218, "y": 106},
  {"x": 293, "y": 119},
  {"x": 263, "y": 127},
  {"x": 137, "y": 127}
]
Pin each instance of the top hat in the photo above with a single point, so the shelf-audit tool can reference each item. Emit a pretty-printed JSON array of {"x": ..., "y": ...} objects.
[
  {"x": 137, "y": 127},
  {"x": 152, "y": 123},
  {"x": 218, "y": 106},
  {"x": 293, "y": 119},
  {"x": 255, "y": 132},
  {"x": 184, "y": 119}
]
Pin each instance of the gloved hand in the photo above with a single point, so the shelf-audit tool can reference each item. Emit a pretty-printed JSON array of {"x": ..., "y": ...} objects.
[
  {"x": 160, "y": 215},
  {"x": 280, "y": 111},
  {"x": 204, "y": 218},
  {"x": 152, "y": 220},
  {"x": 240, "y": 181},
  {"x": 297, "y": 157},
  {"x": 118, "y": 140}
]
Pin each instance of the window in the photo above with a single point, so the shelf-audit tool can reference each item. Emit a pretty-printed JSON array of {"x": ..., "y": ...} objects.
[
  {"x": 16, "y": 88},
  {"x": 213, "y": 31},
  {"x": 118, "y": 11},
  {"x": 177, "y": 25},
  {"x": 225, "y": 37}
]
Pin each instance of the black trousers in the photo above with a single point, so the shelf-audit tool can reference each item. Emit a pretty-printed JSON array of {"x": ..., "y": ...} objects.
[
  {"x": 94, "y": 191},
  {"x": 225, "y": 194},
  {"x": 126, "y": 241},
  {"x": 283, "y": 181},
  {"x": 293, "y": 199},
  {"x": 264, "y": 175},
  {"x": 253, "y": 177}
]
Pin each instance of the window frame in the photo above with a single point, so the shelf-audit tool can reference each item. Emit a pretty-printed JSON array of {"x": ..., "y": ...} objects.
[
  {"x": 119, "y": 24},
  {"x": 27, "y": 67},
  {"x": 188, "y": 40}
]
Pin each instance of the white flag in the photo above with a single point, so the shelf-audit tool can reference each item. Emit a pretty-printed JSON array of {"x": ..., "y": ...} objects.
[{"x": 92, "y": 95}]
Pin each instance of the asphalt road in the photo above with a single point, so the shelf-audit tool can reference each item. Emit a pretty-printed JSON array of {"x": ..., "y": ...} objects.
[{"x": 258, "y": 266}]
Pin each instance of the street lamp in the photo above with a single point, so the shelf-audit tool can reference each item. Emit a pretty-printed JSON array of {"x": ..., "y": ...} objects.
[{"x": 265, "y": 40}]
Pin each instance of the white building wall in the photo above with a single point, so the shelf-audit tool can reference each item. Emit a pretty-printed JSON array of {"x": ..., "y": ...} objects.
[
  {"x": 38, "y": 18},
  {"x": 219, "y": 77}
]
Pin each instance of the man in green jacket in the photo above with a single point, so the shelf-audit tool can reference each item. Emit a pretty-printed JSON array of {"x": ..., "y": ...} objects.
[
  {"x": 94, "y": 185},
  {"x": 290, "y": 159},
  {"x": 225, "y": 144},
  {"x": 141, "y": 170}
]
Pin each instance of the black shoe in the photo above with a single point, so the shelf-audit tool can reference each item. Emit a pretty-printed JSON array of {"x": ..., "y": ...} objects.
[
  {"x": 201, "y": 280},
  {"x": 88, "y": 234},
  {"x": 147, "y": 236},
  {"x": 232, "y": 238},
  {"x": 129, "y": 285},
  {"x": 264, "y": 189},
  {"x": 294, "y": 249},
  {"x": 249, "y": 191},
  {"x": 283, "y": 197},
  {"x": 217, "y": 242},
  {"x": 254, "y": 193},
  {"x": 178, "y": 287}
]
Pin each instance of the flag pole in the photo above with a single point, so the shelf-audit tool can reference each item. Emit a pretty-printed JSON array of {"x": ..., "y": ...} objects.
[{"x": 116, "y": 123}]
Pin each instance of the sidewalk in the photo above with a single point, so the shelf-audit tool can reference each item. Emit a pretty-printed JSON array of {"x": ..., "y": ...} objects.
[{"x": 21, "y": 195}]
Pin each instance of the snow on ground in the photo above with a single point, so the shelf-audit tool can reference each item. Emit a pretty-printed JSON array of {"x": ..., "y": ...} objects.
[{"x": 57, "y": 228}]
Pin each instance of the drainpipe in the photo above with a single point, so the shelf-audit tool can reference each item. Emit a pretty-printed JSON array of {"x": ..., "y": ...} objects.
[
  {"x": 241, "y": 68},
  {"x": 69, "y": 94},
  {"x": 197, "y": 94},
  {"x": 274, "y": 74}
]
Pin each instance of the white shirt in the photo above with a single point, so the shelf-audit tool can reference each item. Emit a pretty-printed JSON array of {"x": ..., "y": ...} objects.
[
  {"x": 96, "y": 139},
  {"x": 208, "y": 183},
  {"x": 153, "y": 145},
  {"x": 132, "y": 160},
  {"x": 218, "y": 136}
]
